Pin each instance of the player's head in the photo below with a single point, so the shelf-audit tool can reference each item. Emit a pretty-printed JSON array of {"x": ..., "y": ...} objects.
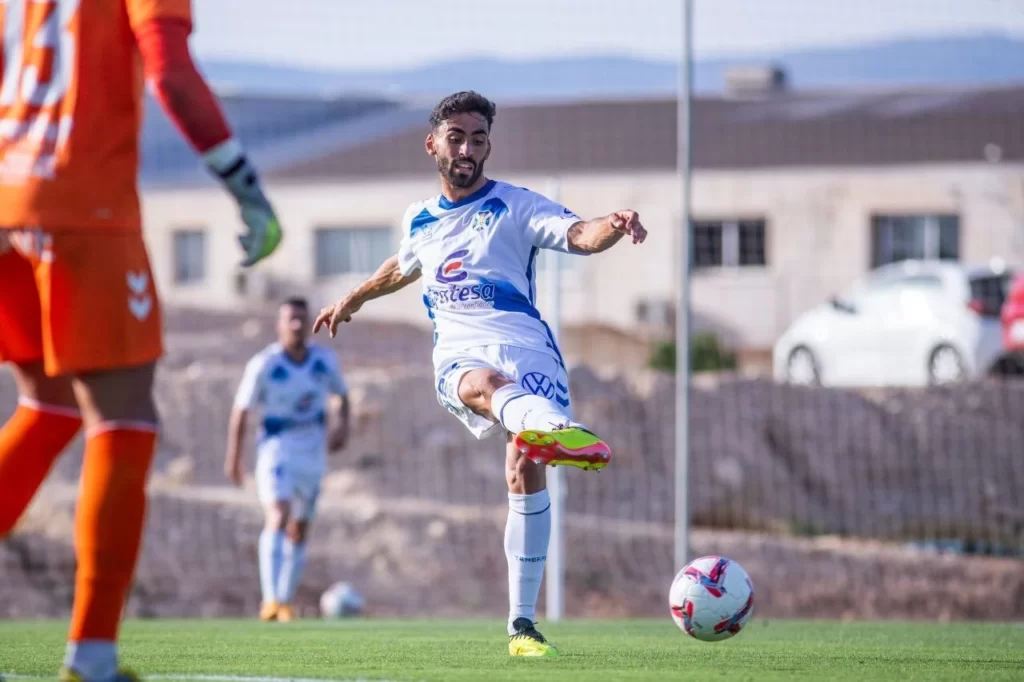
[
  {"x": 460, "y": 137},
  {"x": 292, "y": 322}
]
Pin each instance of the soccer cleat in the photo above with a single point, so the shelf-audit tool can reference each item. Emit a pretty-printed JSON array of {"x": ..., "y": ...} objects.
[
  {"x": 527, "y": 641},
  {"x": 268, "y": 611},
  {"x": 573, "y": 446},
  {"x": 286, "y": 614},
  {"x": 69, "y": 675}
]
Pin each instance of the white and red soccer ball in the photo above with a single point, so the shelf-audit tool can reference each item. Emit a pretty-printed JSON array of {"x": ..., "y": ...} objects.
[{"x": 712, "y": 598}]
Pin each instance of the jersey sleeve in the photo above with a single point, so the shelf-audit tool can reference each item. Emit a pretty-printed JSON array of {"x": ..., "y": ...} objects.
[
  {"x": 547, "y": 222},
  {"x": 143, "y": 11},
  {"x": 408, "y": 261},
  {"x": 178, "y": 86},
  {"x": 250, "y": 390}
]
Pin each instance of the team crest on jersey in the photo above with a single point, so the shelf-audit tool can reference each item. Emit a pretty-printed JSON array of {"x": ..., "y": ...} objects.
[
  {"x": 491, "y": 210},
  {"x": 482, "y": 220}
]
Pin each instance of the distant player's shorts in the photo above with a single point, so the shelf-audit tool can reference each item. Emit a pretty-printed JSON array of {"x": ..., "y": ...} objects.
[
  {"x": 538, "y": 372},
  {"x": 77, "y": 300},
  {"x": 293, "y": 479}
]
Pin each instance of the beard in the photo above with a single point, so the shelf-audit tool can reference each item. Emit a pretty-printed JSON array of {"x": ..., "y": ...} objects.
[{"x": 456, "y": 179}]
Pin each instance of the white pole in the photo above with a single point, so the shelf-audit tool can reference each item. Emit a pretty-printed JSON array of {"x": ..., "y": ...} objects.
[
  {"x": 555, "y": 589},
  {"x": 682, "y": 416}
]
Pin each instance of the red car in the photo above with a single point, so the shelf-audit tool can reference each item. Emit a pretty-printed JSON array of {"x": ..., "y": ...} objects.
[{"x": 1013, "y": 320}]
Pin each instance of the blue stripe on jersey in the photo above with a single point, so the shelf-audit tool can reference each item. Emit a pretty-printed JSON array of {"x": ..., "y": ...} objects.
[
  {"x": 510, "y": 299},
  {"x": 529, "y": 273},
  {"x": 421, "y": 221},
  {"x": 275, "y": 426},
  {"x": 430, "y": 314},
  {"x": 479, "y": 194}
]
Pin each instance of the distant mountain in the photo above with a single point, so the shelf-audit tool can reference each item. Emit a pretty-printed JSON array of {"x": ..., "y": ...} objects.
[{"x": 938, "y": 61}]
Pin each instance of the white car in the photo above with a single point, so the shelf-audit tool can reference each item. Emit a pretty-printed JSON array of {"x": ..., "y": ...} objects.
[{"x": 912, "y": 323}]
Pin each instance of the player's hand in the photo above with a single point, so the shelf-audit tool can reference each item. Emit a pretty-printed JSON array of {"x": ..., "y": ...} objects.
[
  {"x": 333, "y": 315},
  {"x": 628, "y": 222},
  {"x": 337, "y": 438},
  {"x": 263, "y": 233},
  {"x": 233, "y": 470},
  {"x": 263, "y": 230}
]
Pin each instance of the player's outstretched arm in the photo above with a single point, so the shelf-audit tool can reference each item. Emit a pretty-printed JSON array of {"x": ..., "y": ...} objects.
[
  {"x": 600, "y": 234},
  {"x": 195, "y": 112},
  {"x": 340, "y": 413},
  {"x": 387, "y": 280}
]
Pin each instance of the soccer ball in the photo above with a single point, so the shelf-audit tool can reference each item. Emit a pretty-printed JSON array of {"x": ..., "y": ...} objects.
[
  {"x": 341, "y": 600},
  {"x": 711, "y": 599}
]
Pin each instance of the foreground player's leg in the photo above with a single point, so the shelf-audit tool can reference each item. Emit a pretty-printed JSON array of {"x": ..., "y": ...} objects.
[
  {"x": 120, "y": 421},
  {"x": 292, "y": 564},
  {"x": 30, "y": 442},
  {"x": 271, "y": 553},
  {"x": 527, "y": 532},
  {"x": 545, "y": 432}
]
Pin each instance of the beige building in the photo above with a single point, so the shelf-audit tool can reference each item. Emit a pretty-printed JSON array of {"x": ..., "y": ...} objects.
[{"x": 795, "y": 195}]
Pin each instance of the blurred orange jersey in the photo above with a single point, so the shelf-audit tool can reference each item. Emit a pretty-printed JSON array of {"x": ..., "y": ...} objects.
[{"x": 71, "y": 90}]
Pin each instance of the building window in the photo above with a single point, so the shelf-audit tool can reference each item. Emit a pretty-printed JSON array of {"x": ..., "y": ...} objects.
[
  {"x": 189, "y": 256},
  {"x": 729, "y": 243},
  {"x": 906, "y": 237},
  {"x": 348, "y": 251}
]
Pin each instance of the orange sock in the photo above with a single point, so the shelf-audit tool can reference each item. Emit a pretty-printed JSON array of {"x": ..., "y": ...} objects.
[
  {"x": 108, "y": 526},
  {"x": 30, "y": 443}
]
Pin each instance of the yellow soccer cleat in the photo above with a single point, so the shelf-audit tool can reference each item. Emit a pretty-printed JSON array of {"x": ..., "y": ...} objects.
[
  {"x": 268, "y": 611},
  {"x": 286, "y": 613},
  {"x": 573, "y": 446},
  {"x": 69, "y": 675},
  {"x": 527, "y": 641}
]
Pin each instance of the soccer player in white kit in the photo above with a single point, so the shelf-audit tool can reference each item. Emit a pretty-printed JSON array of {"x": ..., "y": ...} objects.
[
  {"x": 497, "y": 366},
  {"x": 292, "y": 381}
]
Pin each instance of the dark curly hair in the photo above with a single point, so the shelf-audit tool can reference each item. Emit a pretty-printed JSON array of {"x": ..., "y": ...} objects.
[{"x": 466, "y": 102}]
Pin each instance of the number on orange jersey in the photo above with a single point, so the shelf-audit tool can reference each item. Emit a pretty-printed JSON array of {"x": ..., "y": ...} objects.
[{"x": 37, "y": 68}]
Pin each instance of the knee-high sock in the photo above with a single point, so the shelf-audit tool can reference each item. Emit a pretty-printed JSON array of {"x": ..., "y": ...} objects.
[
  {"x": 108, "y": 535},
  {"x": 30, "y": 442},
  {"x": 519, "y": 410},
  {"x": 271, "y": 555},
  {"x": 527, "y": 533},
  {"x": 294, "y": 561}
]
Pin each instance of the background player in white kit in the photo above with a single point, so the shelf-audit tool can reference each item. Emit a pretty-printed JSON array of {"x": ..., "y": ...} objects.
[
  {"x": 496, "y": 363},
  {"x": 292, "y": 381}
]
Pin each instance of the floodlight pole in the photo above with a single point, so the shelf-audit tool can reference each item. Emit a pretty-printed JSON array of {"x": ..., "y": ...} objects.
[
  {"x": 555, "y": 588},
  {"x": 682, "y": 413}
]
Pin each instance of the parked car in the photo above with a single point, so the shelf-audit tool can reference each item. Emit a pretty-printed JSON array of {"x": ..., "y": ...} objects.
[
  {"x": 1013, "y": 326},
  {"x": 911, "y": 323}
]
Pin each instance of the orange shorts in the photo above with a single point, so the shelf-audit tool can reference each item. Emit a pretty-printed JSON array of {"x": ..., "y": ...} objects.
[{"x": 80, "y": 301}]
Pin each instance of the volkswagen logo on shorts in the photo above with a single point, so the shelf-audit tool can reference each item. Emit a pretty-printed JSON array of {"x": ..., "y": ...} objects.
[
  {"x": 539, "y": 384},
  {"x": 450, "y": 269}
]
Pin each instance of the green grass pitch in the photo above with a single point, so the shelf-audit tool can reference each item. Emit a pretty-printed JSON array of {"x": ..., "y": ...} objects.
[{"x": 457, "y": 650}]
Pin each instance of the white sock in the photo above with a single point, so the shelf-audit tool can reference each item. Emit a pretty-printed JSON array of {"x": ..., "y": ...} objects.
[
  {"x": 95, "y": 660},
  {"x": 294, "y": 560},
  {"x": 519, "y": 410},
  {"x": 527, "y": 532},
  {"x": 271, "y": 544}
]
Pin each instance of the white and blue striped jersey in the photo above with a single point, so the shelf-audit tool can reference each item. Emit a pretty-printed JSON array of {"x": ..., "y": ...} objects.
[
  {"x": 293, "y": 397},
  {"x": 478, "y": 260}
]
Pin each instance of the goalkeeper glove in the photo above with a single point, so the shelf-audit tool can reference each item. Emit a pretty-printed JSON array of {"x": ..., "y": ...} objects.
[{"x": 263, "y": 230}]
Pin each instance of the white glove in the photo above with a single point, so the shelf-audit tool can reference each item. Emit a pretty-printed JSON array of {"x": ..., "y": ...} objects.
[{"x": 229, "y": 163}]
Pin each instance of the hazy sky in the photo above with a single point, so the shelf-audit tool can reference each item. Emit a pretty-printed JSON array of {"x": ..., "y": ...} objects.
[{"x": 388, "y": 33}]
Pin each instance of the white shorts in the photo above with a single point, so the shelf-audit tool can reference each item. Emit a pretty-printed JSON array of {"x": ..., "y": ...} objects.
[
  {"x": 293, "y": 479},
  {"x": 538, "y": 372}
]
